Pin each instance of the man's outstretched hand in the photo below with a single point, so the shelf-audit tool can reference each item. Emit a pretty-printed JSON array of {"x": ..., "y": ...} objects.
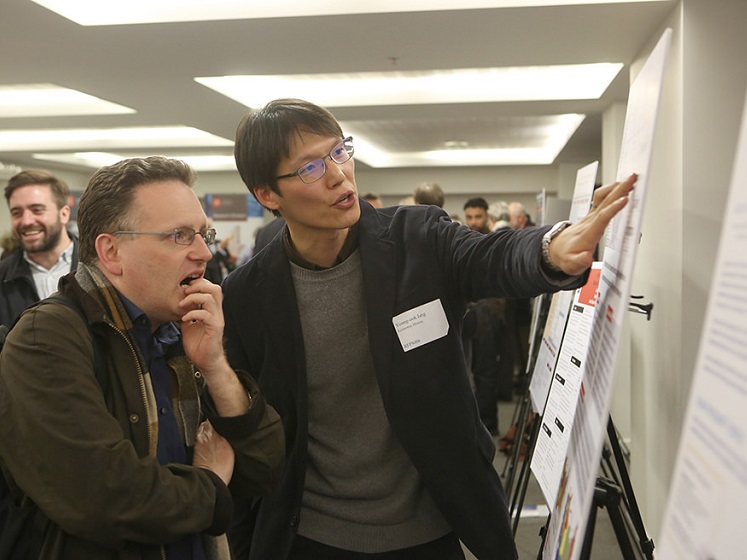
[{"x": 572, "y": 250}]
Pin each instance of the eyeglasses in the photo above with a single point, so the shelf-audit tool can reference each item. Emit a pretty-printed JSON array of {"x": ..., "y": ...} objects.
[
  {"x": 314, "y": 170},
  {"x": 181, "y": 235}
]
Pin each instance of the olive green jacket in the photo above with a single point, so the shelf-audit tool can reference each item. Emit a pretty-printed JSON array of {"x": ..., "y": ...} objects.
[{"x": 88, "y": 459}]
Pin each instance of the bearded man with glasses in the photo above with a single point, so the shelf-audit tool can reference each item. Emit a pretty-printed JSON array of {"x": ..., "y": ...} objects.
[
  {"x": 120, "y": 417},
  {"x": 350, "y": 320}
]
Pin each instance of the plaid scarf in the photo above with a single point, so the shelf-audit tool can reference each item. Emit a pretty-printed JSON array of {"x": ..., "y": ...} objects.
[{"x": 185, "y": 398}]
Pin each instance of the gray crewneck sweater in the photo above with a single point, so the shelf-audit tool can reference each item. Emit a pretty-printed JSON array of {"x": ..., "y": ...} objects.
[{"x": 362, "y": 492}]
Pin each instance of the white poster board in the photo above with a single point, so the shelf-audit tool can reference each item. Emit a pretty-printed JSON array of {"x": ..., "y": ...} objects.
[
  {"x": 572, "y": 505},
  {"x": 705, "y": 516},
  {"x": 557, "y": 420},
  {"x": 552, "y": 336}
]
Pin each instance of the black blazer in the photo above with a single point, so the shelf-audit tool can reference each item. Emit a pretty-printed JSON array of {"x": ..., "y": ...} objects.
[
  {"x": 17, "y": 288},
  {"x": 410, "y": 256}
]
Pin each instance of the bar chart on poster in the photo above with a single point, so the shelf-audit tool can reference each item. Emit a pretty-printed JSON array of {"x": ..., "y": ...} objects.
[{"x": 706, "y": 508}]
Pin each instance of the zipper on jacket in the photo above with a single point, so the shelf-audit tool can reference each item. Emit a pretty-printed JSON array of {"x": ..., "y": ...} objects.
[{"x": 151, "y": 435}]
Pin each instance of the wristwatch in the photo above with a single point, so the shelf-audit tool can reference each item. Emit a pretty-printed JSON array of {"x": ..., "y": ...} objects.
[{"x": 549, "y": 236}]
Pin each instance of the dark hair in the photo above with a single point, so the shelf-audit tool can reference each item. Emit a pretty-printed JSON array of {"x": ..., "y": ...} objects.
[
  {"x": 60, "y": 190},
  {"x": 107, "y": 201},
  {"x": 370, "y": 196},
  {"x": 429, "y": 193},
  {"x": 477, "y": 202},
  {"x": 263, "y": 138}
]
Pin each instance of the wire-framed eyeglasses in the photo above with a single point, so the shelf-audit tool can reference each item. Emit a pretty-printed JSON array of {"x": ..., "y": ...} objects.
[
  {"x": 314, "y": 170},
  {"x": 181, "y": 235}
]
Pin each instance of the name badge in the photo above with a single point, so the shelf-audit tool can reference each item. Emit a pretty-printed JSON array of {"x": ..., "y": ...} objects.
[{"x": 421, "y": 325}]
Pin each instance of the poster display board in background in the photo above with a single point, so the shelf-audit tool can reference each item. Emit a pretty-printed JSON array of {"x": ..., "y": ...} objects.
[
  {"x": 706, "y": 508},
  {"x": 557, "y": 420},
  {"x": 557, "y": 315}
]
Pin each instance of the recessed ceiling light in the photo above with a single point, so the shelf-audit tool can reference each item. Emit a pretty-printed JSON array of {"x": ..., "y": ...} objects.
[
  {"x": 49, "y": 100},
  {"x": 97, "y": 138},
  {"x": 555, "y": 133},
  {"x": 100, "y": 159},
  {"x": 478, "y": 85},
  {"x": 119, "y": 12}
]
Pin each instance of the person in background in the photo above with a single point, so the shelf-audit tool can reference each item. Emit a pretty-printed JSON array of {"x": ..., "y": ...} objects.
[
  {"x": 499, "y": 216},
  {"x": 222, "y": 262},
  {"x": 350, "y": 320},
  {"x": 266, "y": 233},
  {"x": 39, "y": 215},
  {"x": 8, "y": 243},
  {"x": 520, "y": 310},
  {"x": 518, "y": 216},
  {"x": 476, "y": 214},
  {"x": 429, "y": 193},
  {"x": 143, "y": 445},
  {"x": 373, "y": 199}
]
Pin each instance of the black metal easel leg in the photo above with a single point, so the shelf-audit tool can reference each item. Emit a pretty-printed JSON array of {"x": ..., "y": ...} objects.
[
  {"x": 647, "y": 545},
  {"x": 517, "y": 503}
]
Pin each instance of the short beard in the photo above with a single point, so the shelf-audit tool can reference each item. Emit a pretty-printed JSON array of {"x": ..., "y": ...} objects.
[{"x": 51, "y": 240}]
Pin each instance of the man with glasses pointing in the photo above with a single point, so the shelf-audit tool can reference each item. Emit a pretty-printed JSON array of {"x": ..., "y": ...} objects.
[
  {"x": 120, "y": 417},
  {"x": 350, "y": 320}
]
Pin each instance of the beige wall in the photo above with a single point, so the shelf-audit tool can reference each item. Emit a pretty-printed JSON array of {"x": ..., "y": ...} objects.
[{"x": 493, "y": 183}]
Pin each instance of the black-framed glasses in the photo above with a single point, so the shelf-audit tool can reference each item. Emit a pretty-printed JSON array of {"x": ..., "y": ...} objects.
[
  {"x": 181, "y": 235},
  {"x": 314, "y": 170}
]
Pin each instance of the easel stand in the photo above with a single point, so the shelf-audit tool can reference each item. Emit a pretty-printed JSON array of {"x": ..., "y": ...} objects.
[
  {"x": 607, "y": 495},
  {"x": 517, "y": 499},
  {"x": 618, "y": 472},
  {"x": 523, "y": 423},
  {"x": 615, "y": 492}
]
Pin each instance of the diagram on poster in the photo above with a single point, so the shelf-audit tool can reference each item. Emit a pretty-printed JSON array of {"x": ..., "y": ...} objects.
[
  {"x": 705, "y": 512},
  {"x": 572, "y": 505}
]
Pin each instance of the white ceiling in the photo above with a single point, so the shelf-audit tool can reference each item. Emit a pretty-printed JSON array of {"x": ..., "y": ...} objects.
[{"x": 151, "y": 68}]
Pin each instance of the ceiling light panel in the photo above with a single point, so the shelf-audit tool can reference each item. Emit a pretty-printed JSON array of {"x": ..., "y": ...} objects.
[
  {"x": 95, "y": 160},
  {"x": 549, "y": 135},
  {"x": 97, "y": 138},
  {"x": 120, "y": 12},
  {"x": 480, "y": 85},
  {"x": 49, "y": 100}
]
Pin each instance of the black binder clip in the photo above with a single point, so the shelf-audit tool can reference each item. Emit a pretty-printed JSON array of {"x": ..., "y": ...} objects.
[{"x": 642, "y": 308}]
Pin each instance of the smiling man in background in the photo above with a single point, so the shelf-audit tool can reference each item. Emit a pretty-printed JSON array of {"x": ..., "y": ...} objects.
[{"x": 39, "y": 213}]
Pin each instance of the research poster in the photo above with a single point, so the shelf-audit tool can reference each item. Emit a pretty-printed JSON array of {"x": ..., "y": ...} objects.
[
  {"x": 705, "y": 516},
  {"x": 557, "y": 315},
  {"x": 573, "y": 502},
  {"x": 557, "y": 420}
]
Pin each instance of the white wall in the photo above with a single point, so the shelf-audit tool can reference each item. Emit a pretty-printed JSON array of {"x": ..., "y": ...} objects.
[{"x": 701, "y": 108}]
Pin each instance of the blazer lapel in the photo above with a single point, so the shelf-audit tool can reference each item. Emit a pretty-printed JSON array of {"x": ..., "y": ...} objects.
[
  {"x": 379, "y": 273},
  {"x": 280, "y": 317}
]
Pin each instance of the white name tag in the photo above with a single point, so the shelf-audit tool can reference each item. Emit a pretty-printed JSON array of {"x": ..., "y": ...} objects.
[{"x": 421, "y": 325}]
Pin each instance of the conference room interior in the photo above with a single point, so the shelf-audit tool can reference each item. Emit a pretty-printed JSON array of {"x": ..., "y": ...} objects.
[{"x": 473, "y": 141}]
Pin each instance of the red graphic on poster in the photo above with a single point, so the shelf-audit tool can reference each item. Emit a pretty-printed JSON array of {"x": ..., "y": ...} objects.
[{"x": 588, "y": 294}]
